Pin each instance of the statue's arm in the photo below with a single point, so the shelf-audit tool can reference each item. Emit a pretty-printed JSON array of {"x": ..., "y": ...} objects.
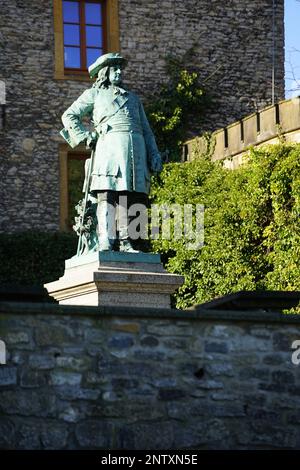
[
  {"x": 74, "y": 131},
  {"x": 154, "y": 158}
]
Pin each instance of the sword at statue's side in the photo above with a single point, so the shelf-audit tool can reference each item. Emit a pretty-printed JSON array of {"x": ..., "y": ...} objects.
[{"x": 86, "y": 195}]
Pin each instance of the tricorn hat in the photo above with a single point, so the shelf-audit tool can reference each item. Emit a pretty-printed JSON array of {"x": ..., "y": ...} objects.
[{"x": 112, "y": 58}]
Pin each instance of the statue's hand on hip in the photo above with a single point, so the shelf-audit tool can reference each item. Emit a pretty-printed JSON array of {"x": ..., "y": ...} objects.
[{"x": 91, "y": 140}]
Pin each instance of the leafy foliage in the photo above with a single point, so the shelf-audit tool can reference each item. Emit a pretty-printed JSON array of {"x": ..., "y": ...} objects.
[
  {"x": 34, "y": 258},
  {"x": 171, "y": 110},
  {"x": 252, "y": 229},
  {"x": 252, "y": 224}
]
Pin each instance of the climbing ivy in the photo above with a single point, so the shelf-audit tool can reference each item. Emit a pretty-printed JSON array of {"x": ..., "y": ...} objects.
[{"x": 171, "y": 110}]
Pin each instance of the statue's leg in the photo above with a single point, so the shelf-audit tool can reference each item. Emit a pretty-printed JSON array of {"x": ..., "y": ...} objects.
[
  {"x": 123, "y": 222},
  {"x": 106, "y": 212}
]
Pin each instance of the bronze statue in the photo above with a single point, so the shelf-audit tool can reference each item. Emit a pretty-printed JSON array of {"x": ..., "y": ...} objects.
[{"x": 125, "y": 151}]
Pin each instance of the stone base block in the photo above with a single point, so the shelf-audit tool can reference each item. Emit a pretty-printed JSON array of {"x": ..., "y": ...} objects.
[{"x": 114, "y": 278}]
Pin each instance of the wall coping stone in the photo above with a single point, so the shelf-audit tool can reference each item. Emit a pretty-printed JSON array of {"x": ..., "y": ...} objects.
[
  {"x": 196, "y": 313},
  {"x": 233, "y": 140}
]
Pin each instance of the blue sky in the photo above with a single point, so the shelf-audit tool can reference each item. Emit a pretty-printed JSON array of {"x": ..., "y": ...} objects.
[{"x": 292, "y": 48}]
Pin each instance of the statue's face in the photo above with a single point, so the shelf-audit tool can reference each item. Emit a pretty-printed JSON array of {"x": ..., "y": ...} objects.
[{"x": 115, "y": 74}]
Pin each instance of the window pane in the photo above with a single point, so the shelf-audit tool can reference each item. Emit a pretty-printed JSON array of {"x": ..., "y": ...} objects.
[
  {"x": 94, "y": 36},
  {"x": 71, "y": 35},
  {"x": 72, "y": 57},
  {"x": 93, "y": 13},
  {"x": 71, "y": 12},
  {"x": 92, "y": 55}
]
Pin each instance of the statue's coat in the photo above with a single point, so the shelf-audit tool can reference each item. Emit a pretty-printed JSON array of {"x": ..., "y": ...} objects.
[{"x": 126, "y": 147}]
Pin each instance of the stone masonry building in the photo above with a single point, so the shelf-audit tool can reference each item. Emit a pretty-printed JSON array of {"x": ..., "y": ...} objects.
[{"x": 236, "y": 43}]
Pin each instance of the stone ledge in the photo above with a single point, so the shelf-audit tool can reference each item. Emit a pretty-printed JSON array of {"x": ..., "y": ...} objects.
[
  {"x": 256, "y": 129},
  {"x": 255, "y": 316}
]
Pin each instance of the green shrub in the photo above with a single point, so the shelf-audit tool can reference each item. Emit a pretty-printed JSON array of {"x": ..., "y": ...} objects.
[
  {"x": 34, "y": 258},
  {"x": 252, "y": 228}
]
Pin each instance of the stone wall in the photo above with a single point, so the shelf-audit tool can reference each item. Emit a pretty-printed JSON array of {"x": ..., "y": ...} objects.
[
  {"x": 269, "y": 126},
  {"x": 108, "y": 378},
  {"x": 233, "y": 52},
  {"x": 232, "y": 49}
]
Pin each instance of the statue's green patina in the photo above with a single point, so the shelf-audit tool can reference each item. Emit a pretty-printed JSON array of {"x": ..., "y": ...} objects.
[{"x": 124, "y": 147}]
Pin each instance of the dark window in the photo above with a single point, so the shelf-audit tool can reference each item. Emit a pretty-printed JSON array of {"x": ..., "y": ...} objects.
[
  {"x": 83, "y": 33},
  {"x": 75, "y": 177}
]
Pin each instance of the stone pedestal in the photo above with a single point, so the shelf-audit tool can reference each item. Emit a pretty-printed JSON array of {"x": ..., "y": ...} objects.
[{"x": 115, "y": 278}]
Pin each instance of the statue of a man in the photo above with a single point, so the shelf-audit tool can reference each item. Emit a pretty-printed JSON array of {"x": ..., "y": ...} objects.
[{"x": 125, "y": 147}]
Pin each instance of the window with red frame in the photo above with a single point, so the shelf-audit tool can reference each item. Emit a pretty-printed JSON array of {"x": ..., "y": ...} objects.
[{"x": 84, "y": 33}]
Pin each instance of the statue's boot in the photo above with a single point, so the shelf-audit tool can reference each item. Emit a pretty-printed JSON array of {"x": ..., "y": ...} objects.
[
  {"x": 124, "y": 240},
  {"x": 106, "y": 225},
  {"x": 123, "y": 223},
  {"x": 126, "y": 246}
]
